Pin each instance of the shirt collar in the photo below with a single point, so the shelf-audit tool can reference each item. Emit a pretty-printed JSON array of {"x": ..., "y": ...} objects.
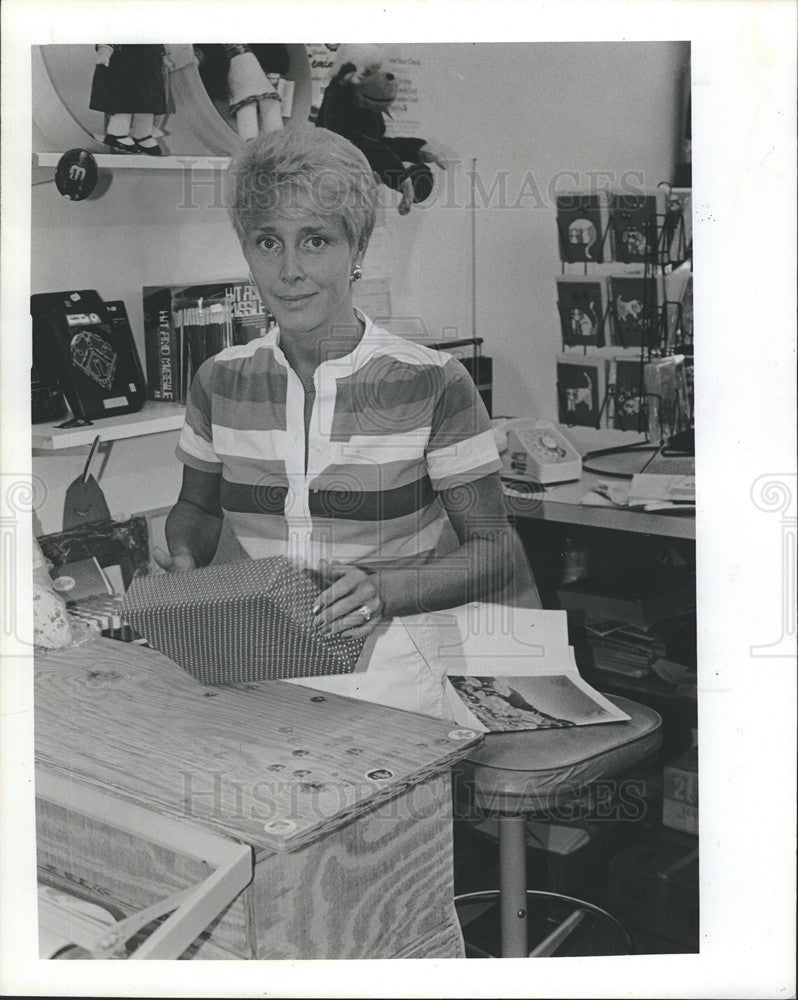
[{"x": 348, "y": 363}]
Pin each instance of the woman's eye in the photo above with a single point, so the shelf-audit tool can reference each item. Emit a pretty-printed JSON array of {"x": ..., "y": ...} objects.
[
  {"x": 317, "y": 242},
  {"x": 266, "y": 242}
]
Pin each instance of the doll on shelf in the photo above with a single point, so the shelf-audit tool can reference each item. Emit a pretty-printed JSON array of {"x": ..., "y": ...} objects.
[
  {"x": 354, "y": 105},
  {"x": 129, "y": 87},
  {"x": 249, "y": 80}
]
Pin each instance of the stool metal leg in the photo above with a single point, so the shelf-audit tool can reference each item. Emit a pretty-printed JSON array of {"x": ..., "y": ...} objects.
[
  {"x": 512, "y": 884},
  {"x": 559, "y": 934},
  {"x": 552, "y": 941}
]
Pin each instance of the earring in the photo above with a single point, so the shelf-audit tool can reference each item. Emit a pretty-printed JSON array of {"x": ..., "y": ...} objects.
[{"x": 357, "y": 273}]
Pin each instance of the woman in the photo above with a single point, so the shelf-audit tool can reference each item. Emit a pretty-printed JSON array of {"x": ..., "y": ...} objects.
[{"x": 331, "y": 441}]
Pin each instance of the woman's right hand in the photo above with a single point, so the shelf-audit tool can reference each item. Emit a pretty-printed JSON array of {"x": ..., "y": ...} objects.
[
  {"x": 104, "y": 53},
  {"x": 182, "y": 562}
]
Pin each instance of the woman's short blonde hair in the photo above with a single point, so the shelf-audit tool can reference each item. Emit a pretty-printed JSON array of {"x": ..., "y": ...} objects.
[{"x": 304, "y": 168}]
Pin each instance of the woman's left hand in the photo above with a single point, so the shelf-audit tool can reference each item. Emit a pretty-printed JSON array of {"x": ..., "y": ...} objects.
[
  {"x": 408, "y": 196},
  {"x": 341, "y": 608}
]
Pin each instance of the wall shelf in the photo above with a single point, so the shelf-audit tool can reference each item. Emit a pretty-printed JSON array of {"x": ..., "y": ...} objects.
[
  {"x": 130, "y": 161},
  {"x": 152, "y": 418}
]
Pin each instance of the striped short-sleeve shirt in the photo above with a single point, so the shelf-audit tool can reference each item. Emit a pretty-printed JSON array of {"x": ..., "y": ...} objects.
[{"x": 393, "y": 424}]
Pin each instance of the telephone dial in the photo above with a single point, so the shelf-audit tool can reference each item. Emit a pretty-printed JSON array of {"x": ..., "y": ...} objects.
[{"x": 538, "y": 452}]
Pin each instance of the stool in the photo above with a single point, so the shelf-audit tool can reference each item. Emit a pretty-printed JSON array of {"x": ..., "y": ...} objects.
[{"x": 520, "y": 776}]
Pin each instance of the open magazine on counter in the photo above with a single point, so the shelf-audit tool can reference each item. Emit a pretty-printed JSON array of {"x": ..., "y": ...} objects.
[{"x": 512, "y": 669}]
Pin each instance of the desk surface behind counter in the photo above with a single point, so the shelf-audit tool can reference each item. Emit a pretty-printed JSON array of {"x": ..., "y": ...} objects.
[
  {"x": 346, "y": 804},
  {"x": 563, "y": 502}
]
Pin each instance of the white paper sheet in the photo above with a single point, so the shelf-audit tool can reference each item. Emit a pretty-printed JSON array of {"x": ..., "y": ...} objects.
[{"x": 526, "y": 655}]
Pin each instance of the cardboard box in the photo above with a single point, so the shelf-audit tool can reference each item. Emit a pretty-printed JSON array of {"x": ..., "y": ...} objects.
[
  {"x": 679, "y": 914},
  {"x": 654, "y": 885},
  {"x": 242, "y": 621},
  {"x": 680, "y": 793}
]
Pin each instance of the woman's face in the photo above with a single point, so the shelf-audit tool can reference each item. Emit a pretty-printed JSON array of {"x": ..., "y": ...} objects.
[{"x": 302, "y": 264}]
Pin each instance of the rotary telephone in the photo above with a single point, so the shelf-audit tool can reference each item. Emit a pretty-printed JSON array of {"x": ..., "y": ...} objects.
[{"x": 537, "y": 453}]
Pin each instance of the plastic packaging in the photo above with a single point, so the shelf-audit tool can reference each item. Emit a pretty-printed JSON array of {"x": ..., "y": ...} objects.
[{"x": 53, "y": 626}]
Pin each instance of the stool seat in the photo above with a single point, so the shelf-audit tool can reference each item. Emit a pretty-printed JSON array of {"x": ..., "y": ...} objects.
[{"x": 530, "y": 772}]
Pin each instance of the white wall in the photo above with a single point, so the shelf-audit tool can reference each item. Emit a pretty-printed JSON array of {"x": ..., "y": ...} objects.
[
  {"x": 544, "y": 109},
  {"x": 136, "y": 234},
  {"x": 529, "y": 111}
]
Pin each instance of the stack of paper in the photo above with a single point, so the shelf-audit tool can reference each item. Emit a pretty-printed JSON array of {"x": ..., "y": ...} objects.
[
  {"x": 623, "y": 649},
  {"x": 511, "y": 669},
  {"x": 648, "y": 492},
  {"x": 658, "y": 492}
]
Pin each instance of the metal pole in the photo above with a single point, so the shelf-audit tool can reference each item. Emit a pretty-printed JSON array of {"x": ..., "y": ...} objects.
[
  {"x": 473, "y": 248},
  {"x": 512, "y": 886}
]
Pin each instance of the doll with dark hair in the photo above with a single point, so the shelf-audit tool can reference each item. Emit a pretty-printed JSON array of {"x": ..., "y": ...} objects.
[{"x": 130, "y": 88}]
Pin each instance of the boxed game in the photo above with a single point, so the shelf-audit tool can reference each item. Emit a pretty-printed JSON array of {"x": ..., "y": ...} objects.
[{"x": 243, "y": 621}]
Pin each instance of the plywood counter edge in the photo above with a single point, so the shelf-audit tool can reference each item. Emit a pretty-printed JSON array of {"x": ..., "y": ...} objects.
[{"x": 265, "y": 842}]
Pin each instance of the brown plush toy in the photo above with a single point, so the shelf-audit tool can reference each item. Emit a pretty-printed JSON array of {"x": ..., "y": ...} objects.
[{"x": 357, "y": 97}]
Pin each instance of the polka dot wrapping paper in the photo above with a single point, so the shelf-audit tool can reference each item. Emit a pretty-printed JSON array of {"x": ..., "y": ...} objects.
[{"x": 242, "y": 621}]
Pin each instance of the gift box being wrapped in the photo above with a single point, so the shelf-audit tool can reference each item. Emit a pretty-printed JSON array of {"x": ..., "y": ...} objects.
[{"x": 243, "y": 621}]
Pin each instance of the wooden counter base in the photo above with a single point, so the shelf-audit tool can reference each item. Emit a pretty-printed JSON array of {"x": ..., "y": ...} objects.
[
  {"x": 353, "y": 850},
  {"x": 379, "y": 887}
]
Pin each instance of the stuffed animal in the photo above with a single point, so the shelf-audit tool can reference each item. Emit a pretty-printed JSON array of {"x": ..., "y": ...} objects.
[
  {"x": 129, "y": 86},
  {"x": 355, "y": 101},
  {"x": 248, "y": 79}
]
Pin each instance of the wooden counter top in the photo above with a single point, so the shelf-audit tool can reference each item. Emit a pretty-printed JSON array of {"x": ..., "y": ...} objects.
[{"x": 270, "y": 764}]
